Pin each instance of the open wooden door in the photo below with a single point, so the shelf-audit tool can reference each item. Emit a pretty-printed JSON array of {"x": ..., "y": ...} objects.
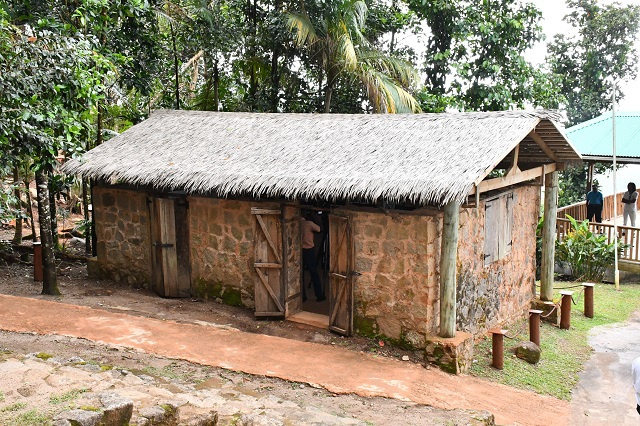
[
  {"x": 340, "y": 275},
  {"x": 270, "y": 283},
  {"x": 171, "y": 269}
]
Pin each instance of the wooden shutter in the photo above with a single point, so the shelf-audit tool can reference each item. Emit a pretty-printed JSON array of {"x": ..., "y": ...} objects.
[
  {"x": 164, "y": 253},
  {"x": 269, "y": 286},
  {"x": 491, "y": 223},
  {"x": 340, "y": 275},
  {"x": 506, "y": 224}
]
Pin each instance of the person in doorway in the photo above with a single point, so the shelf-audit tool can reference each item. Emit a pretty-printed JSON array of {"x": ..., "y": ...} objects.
[
  {"x": 594, "y": 204},
  {"x": 629, "y": 199},
  {"x": 309, "y": 257},
  {"x": 635, "y": 376}
]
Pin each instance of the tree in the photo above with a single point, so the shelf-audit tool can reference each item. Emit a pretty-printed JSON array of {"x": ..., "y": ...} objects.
[
  {"x": 602, "y": 50},
  {"x": 334, "y": 36},
  {"x": 474, "y": 59},
  {"x": 585, "y": 64},
  {"x": 47, "y": 85}
]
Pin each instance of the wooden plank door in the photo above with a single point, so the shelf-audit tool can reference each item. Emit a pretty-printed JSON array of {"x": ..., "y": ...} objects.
[
  {"x": 340, "y": 275},
  {"x": 170, "y": 251},
  {"x": 268, "y": 262}
]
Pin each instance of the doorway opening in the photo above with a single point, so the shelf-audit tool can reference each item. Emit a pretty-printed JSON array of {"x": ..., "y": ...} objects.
[{"x": 314, "y": 280}]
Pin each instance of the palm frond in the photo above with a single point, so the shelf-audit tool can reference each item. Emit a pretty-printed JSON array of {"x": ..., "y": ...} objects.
[
  {"x": 305, "y": 32},
  {"x": 385, "y": 93}
]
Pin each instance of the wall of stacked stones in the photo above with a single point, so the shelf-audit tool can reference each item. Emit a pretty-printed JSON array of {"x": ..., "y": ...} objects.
[
  {"x": 122, "y": 231},
  {"x": 398, "y": 257},
  {"x": 222, "y": 251},
  {"x": 501, "y": 291}
]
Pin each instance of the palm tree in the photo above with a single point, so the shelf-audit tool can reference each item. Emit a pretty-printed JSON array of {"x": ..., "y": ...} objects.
[{"x": 337, "y": 41}]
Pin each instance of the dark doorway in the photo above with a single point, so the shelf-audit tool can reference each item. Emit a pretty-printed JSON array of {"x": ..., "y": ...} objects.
[{"x": 321, "y": 250}]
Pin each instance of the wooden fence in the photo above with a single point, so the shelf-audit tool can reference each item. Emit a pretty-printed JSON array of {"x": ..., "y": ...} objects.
[
  {"x": 628, "y": 235},
  {"x": 578, "y": 211}
]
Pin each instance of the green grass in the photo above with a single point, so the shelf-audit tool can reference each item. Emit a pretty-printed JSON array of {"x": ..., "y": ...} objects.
[
  {"x": 564, "y": 352},
  {"x": 31, "y": 418},
  {"x": 44, "y": 356},
  {"x": 13, "y": 407},
  {"x": 67, "y": 396}
]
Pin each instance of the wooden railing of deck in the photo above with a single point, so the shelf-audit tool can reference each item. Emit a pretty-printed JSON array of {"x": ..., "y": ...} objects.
[
  {"x": 578, "y": 211},
  {"x": 627, "y": 234}
]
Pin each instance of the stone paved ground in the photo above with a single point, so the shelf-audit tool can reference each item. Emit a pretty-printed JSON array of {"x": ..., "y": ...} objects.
[{"x": 33, "y": 390}]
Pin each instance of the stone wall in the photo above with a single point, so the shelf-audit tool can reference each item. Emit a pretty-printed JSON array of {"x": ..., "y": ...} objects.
[
  {"x": 122, "y": 231},
  {"x": 501, "y": 291},
  {"x": 222, "y": 233},
  {"x": 396, "y": 294}
]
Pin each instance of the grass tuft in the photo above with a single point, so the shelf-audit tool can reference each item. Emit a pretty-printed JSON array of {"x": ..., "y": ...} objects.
[
  {"x": 67, "y": 396},
  {"x": 564, "y": 352}
]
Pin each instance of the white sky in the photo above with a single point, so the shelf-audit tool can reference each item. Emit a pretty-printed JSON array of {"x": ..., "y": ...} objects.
[{"x": 552, "y": 13}]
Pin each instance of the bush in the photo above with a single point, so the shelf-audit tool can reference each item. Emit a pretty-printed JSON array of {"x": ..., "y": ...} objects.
[{"x": 587, "y": 254}]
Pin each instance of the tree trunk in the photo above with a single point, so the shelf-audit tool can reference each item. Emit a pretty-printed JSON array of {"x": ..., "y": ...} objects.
[
  {"x": 54, "y": 220},
  {"x": 17, "y": 236},
  {"x": 27, "y": 183},
  {"x": 327, "y": 99},
  {"x": 175, "y": 65},
  {"x": 216, "y": 85},
  {"x": 49, "y": 282},
  {"x": 85, "y": 213},
  {"x": 275, "y": 70}
]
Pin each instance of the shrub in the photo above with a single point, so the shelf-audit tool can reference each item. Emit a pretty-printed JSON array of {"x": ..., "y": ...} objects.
[{"x": 588, "y": 254}]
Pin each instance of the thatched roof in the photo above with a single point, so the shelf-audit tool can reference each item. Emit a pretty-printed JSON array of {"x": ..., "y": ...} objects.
[{"x": 423, "y": 158}]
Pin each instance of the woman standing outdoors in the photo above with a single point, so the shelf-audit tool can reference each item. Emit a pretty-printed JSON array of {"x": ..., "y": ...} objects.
[{"x": 629, "y": 199}]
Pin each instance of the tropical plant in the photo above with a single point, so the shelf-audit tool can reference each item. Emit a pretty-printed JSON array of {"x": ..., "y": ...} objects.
[
  {"x": 586, "y": 253},
  {"x": 335, "y": 39}
]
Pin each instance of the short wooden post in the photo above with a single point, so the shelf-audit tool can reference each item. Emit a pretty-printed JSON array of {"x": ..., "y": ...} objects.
[
  {"x": 588, "y": 299},
  {"x": 534, "y": 326},
  {"x": 549, "y": 236},
  {"x": 448, "y": 257},
  {"x": 497, "y": 348},
  {"x": 37, "y": 261},
  {"x": 565, "y": 309}
]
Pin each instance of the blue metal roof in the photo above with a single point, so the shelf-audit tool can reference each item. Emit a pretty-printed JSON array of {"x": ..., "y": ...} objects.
[{"x": 593, "y": 139}]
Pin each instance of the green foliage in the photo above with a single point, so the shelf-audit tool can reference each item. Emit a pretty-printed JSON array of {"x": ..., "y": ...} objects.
[
  {"x": 67, "y": 396},
  {"x": 563, "y": 352},
  {"x": 31, "y": 418},
  {"x": 602, "y": 50},
  {"x": 587, "y": 254},
  {"x": 13, "y": 407}
]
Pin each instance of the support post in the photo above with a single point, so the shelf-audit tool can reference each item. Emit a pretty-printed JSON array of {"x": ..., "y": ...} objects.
[
  {"x": 534, "y": 326},
  {"x": 549, "y": 236},
  {"x": 448, "y": 257},
  {"x": 565, "y": 309},
  {"x": 497, "y": 348},
  {"x": 588, "y": 299},
  {"x": 37, "y": 262}
]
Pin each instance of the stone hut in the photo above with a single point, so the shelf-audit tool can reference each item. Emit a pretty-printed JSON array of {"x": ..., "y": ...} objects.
[{"x": 427, "y": 221}]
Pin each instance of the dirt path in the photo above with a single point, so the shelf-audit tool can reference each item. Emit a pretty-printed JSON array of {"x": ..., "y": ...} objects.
[
  {"x": 336, "y": 369},
  {"x": 605, "y": 394}
]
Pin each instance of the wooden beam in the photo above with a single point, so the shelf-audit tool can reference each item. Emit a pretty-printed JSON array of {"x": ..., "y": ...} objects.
[
  {"x": 541, "y": 143},
  {"x": 514, "y": 163},
  {"x": 512, "y": 179},
  {"x": 448, "y": 264},
  {"x": 549, "y": 236}
]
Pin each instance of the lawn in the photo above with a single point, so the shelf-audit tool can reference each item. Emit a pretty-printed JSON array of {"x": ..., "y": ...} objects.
[{"x": 564, "y": 352}]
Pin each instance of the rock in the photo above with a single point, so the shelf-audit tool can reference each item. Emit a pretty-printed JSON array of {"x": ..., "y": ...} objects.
[
  {"x": 165, "y": 414},
  {"x": 405, "y": 358},
  {"x": 259, "y": 420},
  {"x": 528, "y": 351},
  {"x": 207, "y": 419},
  {"x": 27, "y": 390},
  {"x": 117, "y": 410},
  {"x": 79, "y": 418}
]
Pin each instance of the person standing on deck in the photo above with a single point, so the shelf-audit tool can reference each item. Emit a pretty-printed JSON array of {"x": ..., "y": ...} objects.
[
  {"x": 629, "y": 199},
  {"x": 594, "y": 204},
  {"x": 309, "y": 257}
]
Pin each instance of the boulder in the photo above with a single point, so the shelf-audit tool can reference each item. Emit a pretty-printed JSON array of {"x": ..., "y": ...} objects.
[
  {"x": 117, "y": 410},
  {"x": 78, "y": 418},
  {"x": 528, "y": 351}
]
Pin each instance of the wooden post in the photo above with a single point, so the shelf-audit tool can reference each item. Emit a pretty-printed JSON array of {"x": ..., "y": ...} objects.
[
  {"x": 549, "y": 236},
  {"x": 448, "y": 257},
  {"x": 588, "y": 299},
  {"x": 497, "y": 348},
  {"x": 589, "y": 176},
  {"x": 565, "y": 309}
]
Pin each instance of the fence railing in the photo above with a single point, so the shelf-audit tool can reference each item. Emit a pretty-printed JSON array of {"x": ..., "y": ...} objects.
[
  {"x": 578, "y": 211},
  {"x": 627, "y": 234}
]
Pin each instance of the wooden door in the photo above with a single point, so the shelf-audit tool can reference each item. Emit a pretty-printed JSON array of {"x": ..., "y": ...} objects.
[
  {"x": 270, "y": 277},
  {"x": 340, "y": 275},
  {"x": 171, "y": 270}
]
